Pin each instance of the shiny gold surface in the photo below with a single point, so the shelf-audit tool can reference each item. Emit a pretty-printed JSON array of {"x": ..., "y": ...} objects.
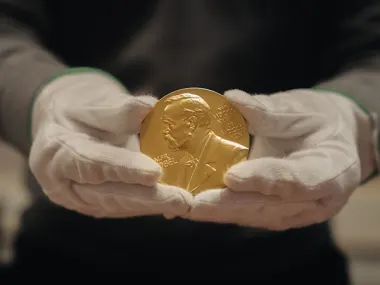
[{"x": 195, "y": 135}]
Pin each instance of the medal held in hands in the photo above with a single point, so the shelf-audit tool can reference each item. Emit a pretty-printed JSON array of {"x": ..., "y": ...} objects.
[{"x": 196, "y": 135}]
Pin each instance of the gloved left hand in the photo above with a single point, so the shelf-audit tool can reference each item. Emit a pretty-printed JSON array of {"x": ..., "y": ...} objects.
[{"x": 311, "y": 150}]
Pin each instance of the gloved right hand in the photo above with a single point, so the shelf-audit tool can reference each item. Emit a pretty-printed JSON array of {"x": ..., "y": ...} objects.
[{"x": 85, "y": 152}]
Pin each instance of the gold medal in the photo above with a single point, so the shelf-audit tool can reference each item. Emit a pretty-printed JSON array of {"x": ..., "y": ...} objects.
[{"x": 196, "y": 135}]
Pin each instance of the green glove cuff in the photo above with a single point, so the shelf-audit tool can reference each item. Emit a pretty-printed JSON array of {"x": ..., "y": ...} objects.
[
  {"x": 363, "y": 108},
  {"x": 58, "y": 75},
  {"x": 339, "y": 92}
]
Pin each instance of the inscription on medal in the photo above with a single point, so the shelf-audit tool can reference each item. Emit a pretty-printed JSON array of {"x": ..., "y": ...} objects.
[
  {"x": 165, "y": 160},
  {"x": 224, "y": 116},
  {"x": 234, "y": 130}
]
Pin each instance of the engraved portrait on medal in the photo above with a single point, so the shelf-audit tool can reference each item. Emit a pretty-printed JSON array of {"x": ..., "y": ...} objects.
[{"x": 195, "y": 135}]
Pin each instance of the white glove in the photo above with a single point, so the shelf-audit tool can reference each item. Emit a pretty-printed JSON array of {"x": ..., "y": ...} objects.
[
  {"x": 13, "y": 204},
  {"x": 311, "y": 150},
  {"x": 86, "y": 154}
]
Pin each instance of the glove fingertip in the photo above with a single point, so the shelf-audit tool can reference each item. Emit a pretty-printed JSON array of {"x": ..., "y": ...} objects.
[
  {"x": 184, "y": 195},
  {"x": 147, "y": 100},
  {"x": 236, "y": 95},
  {"x": 169, "y": 216},
  {"x": 234, "y": 178},
  {"x": 143, "y": 170},
  {"x": 155, "y": 169},
  {"x": 149, "y": 177}
]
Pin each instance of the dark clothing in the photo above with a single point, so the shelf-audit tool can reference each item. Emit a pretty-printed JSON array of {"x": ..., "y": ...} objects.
[
  {"x": 57, "y": 241},
  {"x": 259, "y": 46},
  {"x": 306, "y": 256}
]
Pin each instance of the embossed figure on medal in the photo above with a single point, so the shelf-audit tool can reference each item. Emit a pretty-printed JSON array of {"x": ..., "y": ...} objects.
[{"x": 195, "y": 135}]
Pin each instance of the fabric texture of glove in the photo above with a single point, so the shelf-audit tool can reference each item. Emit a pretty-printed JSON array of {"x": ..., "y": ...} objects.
[
  {"x": 311, "y": 150},
  {"x": 85, "y": 151}
]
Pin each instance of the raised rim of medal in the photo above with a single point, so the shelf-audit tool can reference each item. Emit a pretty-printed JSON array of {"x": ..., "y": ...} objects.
[
  {"x": 182, "y": 90},
  {"x": 187, "y": 89}
]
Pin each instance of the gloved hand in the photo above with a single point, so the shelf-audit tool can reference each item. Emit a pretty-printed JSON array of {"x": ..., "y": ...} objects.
[
  {"x": 311, "y": 150},
  {"x": 85, "y": 151}
]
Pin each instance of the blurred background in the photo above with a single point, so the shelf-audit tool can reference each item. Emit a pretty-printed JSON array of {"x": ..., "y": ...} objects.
[{"x": 357, "y": 227}]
